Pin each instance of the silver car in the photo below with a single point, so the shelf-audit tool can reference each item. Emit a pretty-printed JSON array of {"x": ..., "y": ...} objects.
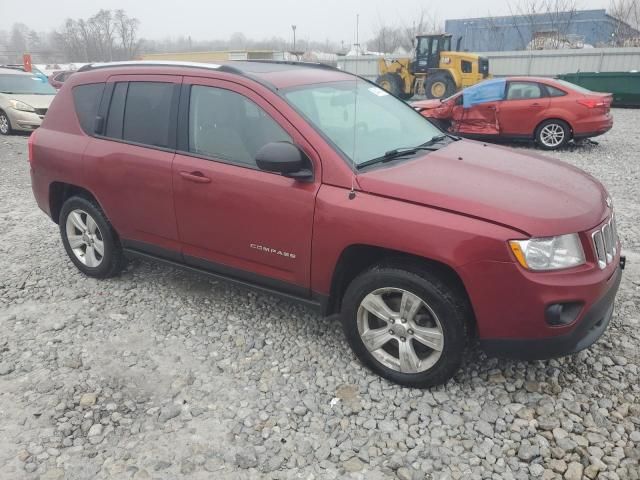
[{"x": 24, "y": 100}]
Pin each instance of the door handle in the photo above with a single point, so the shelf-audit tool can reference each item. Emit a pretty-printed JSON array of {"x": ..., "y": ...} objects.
[
  {"x": 197, "y": 177},
  {"x": 536, "y": 105}
]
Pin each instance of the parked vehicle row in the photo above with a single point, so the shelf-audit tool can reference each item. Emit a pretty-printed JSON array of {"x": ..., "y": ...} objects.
[
  {"x": 24, "y": 100},
  {"x": 310, "y": 183},
  {"x": 550, "y": 112}
]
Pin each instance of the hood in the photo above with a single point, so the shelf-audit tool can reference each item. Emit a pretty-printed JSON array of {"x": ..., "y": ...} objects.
[
  {"x": 538, "y": 196},
  {"x": 36, "y": 101}
]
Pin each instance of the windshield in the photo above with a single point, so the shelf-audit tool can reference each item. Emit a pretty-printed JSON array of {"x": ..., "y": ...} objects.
[
  {"x": 25, "y": 85},
  {"x": 378, "y": 124}
]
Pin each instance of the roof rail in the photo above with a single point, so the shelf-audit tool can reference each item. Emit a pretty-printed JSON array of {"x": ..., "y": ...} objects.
[
  {"x": 160, "y": 63},
  {"x": 293, "y": 62}
]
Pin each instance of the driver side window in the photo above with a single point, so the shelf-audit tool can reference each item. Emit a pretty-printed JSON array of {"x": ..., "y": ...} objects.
[{"x": 228, "y": 126}]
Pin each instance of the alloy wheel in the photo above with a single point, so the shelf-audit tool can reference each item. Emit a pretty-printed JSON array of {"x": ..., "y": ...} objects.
[
  {"x": 552, "y": 135},
  {"x": 85, "y": 238},
  {"x": 400, "y": 330}
]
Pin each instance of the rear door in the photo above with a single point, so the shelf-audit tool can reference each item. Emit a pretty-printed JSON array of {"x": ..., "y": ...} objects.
[
  {"x": 524, "y": 107},
  {"x": 234, "y": 218},
  {"x": 129, "y": 161}
]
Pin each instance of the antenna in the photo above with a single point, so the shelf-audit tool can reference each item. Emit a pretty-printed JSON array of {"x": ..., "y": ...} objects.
[{"x": 352, "y": 193}]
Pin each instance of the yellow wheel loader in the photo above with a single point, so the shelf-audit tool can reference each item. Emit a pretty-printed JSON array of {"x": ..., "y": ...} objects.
[{"x": 436, "y": 71}]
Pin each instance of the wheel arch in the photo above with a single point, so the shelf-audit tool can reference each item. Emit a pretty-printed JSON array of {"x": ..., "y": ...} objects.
[
  {"x": 60, "y": 192},
  {"x": 355, "y": 259}
]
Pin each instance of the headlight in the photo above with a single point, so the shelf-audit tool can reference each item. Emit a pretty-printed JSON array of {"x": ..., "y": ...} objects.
[
  {"x": 550, "y": 253},
  {"x": 18, "y": 105}
]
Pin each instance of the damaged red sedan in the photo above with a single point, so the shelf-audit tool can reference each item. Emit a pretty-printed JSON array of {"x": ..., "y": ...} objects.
[{"x": 550, "y": 112}]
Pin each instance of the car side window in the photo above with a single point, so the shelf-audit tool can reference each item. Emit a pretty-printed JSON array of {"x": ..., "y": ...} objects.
[
  {"x": 555, "y": 92},
  {"x": 466, "y": 66},
  {"x": 147, "y": 113},
  {"x": 86, "y": 99},
  {"x": 116, "y": 111},
  {"x": 523, "y": 91},
  {"x": 228, "y": 126}
]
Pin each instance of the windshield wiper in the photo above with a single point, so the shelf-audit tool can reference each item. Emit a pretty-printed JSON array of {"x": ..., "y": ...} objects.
[{"x": 404, "y": 151}]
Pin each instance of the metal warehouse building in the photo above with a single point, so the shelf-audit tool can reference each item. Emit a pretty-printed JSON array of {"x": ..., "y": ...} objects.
[{"x": 536, "y": 31}]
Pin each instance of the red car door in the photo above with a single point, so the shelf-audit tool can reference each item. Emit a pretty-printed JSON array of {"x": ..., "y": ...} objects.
[
  {"x": 523, "y": 109},
  {"x": 479, "y": 119},
  {"x": 130, "y": 159},
  {"x": 232, "y": 217}
]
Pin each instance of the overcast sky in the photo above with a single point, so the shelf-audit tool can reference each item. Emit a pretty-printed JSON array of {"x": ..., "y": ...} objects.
[{"x": 208, "y": 19}]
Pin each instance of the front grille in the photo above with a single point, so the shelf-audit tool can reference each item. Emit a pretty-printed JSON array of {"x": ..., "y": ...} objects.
[
  {"x": 605, "y": 242},
  {"x": 41, "y": 111}
]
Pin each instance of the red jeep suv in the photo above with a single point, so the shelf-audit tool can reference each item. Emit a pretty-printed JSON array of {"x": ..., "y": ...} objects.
[{"x": 315, "y": 184}]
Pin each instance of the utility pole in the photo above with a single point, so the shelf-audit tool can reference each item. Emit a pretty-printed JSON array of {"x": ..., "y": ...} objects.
[
  {"x": 357, "y": 34},
  {"x": 293, "y": 27}
]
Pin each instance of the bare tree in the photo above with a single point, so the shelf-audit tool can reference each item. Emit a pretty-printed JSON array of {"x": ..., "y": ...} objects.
[
  {"x": 543, "y": 23},
  {"x": 389, "y": 38},
  {"x": 127, "y": 31},
  {"x": 496, "y": 34},
  {"x": 627, "y": 16},
  {"x": 386, "y": 39},
  {"x": 105, "y": 36},
  {"x": 423, "y": 23},
  {"x": 103, "y": 27}
]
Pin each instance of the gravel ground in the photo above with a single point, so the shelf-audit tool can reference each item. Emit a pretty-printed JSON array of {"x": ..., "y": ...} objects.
[{"x": 165, "y": 374}]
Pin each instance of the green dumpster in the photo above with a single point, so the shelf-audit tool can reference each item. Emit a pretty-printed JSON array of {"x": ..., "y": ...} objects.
[{"x": 625, "y": 86}]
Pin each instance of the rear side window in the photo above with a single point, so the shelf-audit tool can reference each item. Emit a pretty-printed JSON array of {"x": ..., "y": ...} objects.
[
  {"x": 147, "y": 114},
  {"x": 466, "y": 66},
  {"x": 555, "y": 92},
  {"x": 87, "y": 100},
  {"x": 116, "y": 111}
]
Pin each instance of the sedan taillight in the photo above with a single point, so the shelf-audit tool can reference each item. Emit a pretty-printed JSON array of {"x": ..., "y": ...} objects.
[{"x": 592, "y": 102}]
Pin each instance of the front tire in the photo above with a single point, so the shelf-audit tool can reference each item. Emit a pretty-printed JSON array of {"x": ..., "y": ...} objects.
[
  {"x": 89, "y": 239},
  {"x": 406, "y": 325},
  {"x": 5, "y": 124},
  {"x": 392, "y": 83},
  {"x": 553, "y": 134},
  {"x": 439, "y": 85}
]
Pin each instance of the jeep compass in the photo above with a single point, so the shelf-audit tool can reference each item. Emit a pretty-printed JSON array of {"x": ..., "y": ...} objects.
[{"x": 314, "y": 184}]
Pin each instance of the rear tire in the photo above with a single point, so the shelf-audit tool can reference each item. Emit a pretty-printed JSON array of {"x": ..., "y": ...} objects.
[
  {"x": 439, "y": 85},
  {"x": 419, "y": 307},
  {"x": 5, "y": 124},
  {"x": 392, "y": 83},
  {"x": 553, "y": 134},
  {"x": 89, "y": 239}
]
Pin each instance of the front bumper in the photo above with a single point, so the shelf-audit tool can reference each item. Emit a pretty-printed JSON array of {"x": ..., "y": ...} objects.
[
  {"x": 588, "y": 330},
  {"x": 24, "y": 121}
]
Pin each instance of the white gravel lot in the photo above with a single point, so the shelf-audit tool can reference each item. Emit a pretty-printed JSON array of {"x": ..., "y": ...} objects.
[{"x": 164, "y": 374}]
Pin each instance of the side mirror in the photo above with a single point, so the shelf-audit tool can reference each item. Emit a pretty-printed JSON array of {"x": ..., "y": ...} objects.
[{"x": 286, "y": 159}]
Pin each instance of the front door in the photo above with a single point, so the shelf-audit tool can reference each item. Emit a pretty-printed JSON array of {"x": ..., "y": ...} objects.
[
  {"x": 523, "y": 109},
  {"x": 480, "y": 119},
  {"x": 232, "y": 217}
]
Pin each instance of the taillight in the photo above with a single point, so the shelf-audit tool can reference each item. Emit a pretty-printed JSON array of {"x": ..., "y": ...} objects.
[
  {"x": 30, "y": 145},
  {"x": 592, "y": 102}
]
